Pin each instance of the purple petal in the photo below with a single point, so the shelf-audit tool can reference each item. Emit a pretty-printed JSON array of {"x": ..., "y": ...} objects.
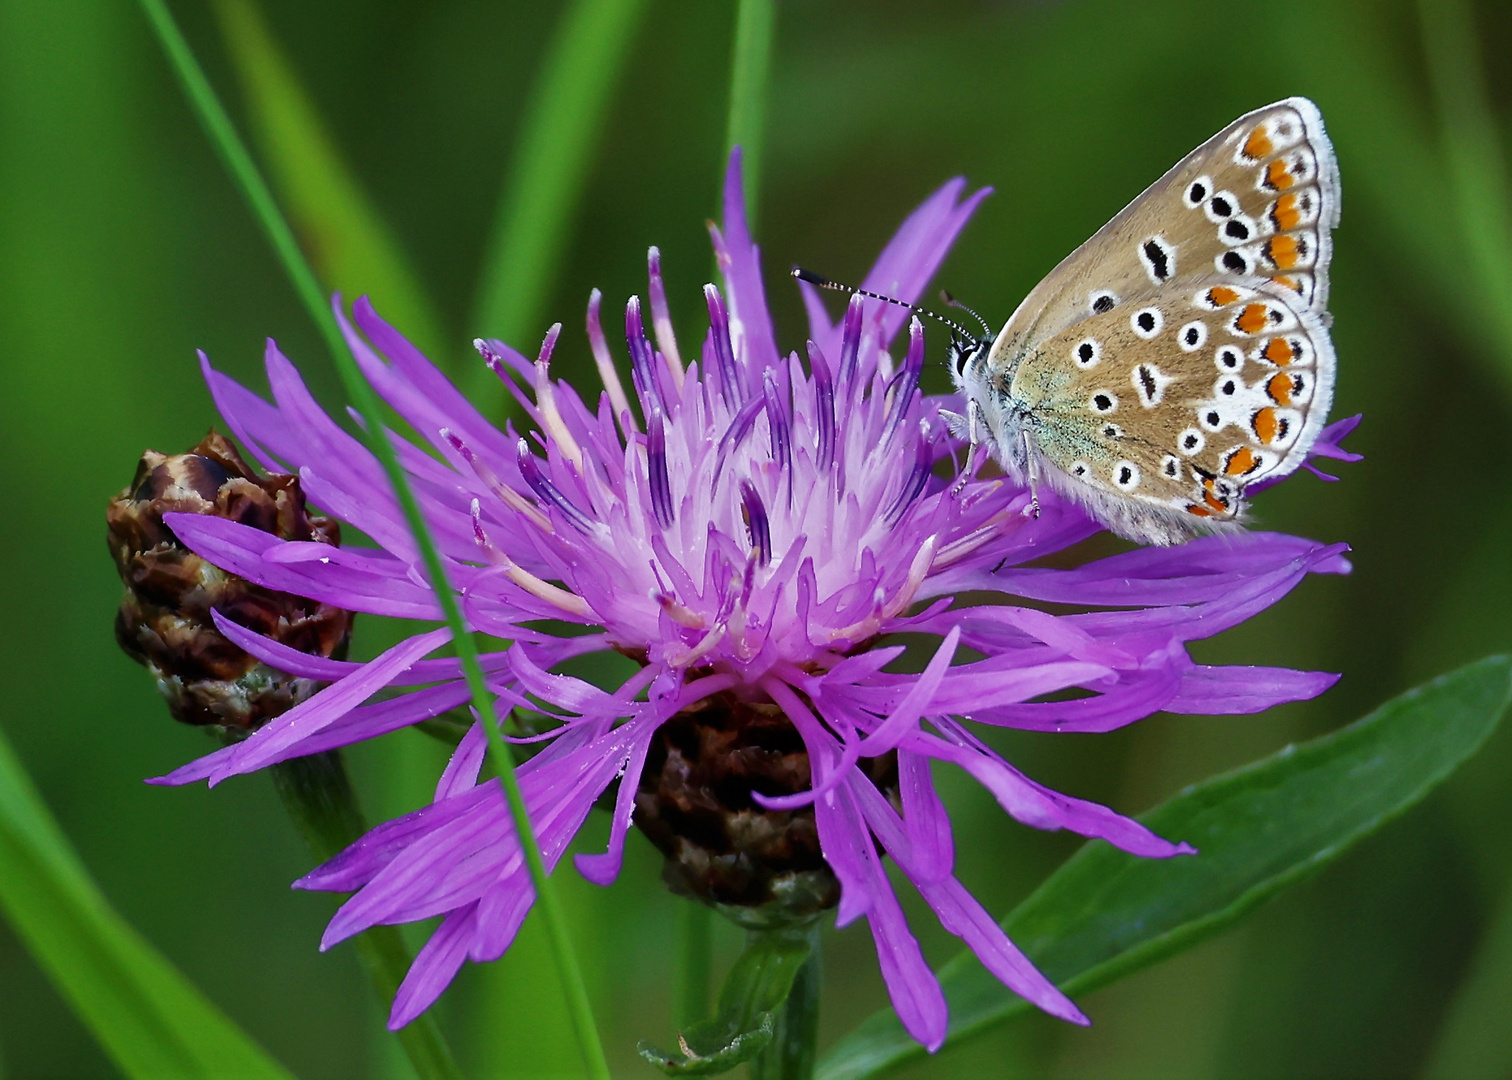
[
  {"x": 740, "y": 262},
  {"x": 375, "y": 585},
  {"x": 461, "y": 772},
  {"x": 912, "y": 986},
  {"x": 961, "y": 915},
  {"x": 1042, "y": 808},
  {"x": 925, "y": 817},
  {"x": 905, "y": 717},
  {"x": 1215, "y": 691},
  {"x": 328, "y": 705},
  {"x": 434, "y": 968},
  {"x": 603, "y": 869}
]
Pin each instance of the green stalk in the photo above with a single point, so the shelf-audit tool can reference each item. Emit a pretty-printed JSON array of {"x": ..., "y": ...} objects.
[
  {"x": 795, "y": 1044},
  {"x": 233, "y": 152},
  {"x": 318, "y": 795},
  {"x": 694, "y": 961},
  {"x": 548, "y": 171},
  {"x": 750, "y": 71}
]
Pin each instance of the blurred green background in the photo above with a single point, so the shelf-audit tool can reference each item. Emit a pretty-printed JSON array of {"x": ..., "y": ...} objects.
[{"x": 123, "y": 247}]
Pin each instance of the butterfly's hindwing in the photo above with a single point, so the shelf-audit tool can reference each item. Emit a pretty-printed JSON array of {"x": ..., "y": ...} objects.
[{"x": 1199, "y": 390}]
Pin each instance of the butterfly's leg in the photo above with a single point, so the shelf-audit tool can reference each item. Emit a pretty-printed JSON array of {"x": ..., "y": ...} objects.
[
  {"x": 1031, "y": 465},
  {"x": 973, "y": 433}
]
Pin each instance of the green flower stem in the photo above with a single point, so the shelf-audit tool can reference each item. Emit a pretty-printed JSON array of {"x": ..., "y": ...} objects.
[
  {"x": 794, "y": 1047},
  {"x": 548, "y": 172},
  {"x": 239, "y": 162},
  {"x": 694, "y": 961},
  {"x": 750, "y": 71},
  {"x": 318, "y": 795}
]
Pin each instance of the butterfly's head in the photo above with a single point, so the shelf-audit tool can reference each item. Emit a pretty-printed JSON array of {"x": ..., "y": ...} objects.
[{"x": 966, "y": 358}]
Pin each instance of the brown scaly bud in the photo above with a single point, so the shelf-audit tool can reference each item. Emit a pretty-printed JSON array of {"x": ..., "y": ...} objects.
[
  {"x": 761, "y": 868},
  {"x": 164, "y": 621}
]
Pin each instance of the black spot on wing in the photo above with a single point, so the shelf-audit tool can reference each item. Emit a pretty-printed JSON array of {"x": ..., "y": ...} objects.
[{"x": 1159, "y": 261}]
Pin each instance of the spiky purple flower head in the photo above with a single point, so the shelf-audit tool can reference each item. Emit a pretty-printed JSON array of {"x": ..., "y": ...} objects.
[{"x": 755, "y": 530}]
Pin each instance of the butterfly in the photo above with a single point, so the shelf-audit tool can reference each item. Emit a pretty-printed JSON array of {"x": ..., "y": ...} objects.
[{"x": 1181, "y": 355}]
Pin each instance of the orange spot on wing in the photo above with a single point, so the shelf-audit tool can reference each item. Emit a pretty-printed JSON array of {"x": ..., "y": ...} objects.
[
  {"x": 1285, "y": 213},
  {"x": 1218, "y": 506},
  {"x": 1240, "y": 462},
  {"x": 1251, "y": 320},
  {"x": 1278, "y": 176},
  {"x": 1279, "y": 387},
  {"x": 1289, "y": 282},
  {"x": 1198, "y": 511},
  {"x": 1282, "y": 251},
  {"x": 1258, "y": 145},
  {"x": 1279, "y": 352},
  {"x": 1221, "y": 296},
  {"x": 1267, "y": 425}
]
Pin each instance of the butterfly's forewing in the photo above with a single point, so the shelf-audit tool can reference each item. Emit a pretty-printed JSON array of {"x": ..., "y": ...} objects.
[
  {"x": 1182, "y": 353},
  {"x": 1256, "y": 200}
]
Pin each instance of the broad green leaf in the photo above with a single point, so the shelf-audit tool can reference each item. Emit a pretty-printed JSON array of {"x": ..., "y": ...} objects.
[
  {"x": 150, "y": 1019},
  {"x": 1105, "y": 914},
  {"x": 756, "y": 989},
  {"x": 352, "y": 248}
]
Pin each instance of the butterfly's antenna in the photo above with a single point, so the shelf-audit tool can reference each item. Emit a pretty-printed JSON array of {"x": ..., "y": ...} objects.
[
  {"x": 951, "y": 301},
  {"x": 825, "y": 283}
]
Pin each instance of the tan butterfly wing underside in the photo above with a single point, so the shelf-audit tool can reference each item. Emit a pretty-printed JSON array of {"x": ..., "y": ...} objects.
[{"x": 1182, "y": 353}]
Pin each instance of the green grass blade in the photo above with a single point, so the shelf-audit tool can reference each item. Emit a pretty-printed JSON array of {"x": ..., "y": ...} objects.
[
  {"x": 548, "y": 172},
  {"x": 1105, "y": 914},
  {"x": 223, "y": 136},
  {"x": 1472, "y": 151},
  {"x": 1438, "y": 200},
  {"x": 148, "y": 1017},
  {"x": 750, "y": 71},
  {"x": 353, "y": 249}
]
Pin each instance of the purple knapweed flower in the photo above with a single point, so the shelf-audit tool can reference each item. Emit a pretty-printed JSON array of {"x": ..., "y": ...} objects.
[{"x": 754, "y": 530}]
